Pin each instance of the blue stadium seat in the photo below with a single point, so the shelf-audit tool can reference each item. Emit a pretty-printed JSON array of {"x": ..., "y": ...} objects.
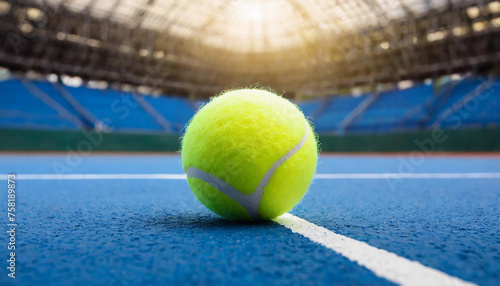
[
  {"x": 386, "y": 112},
  {"x": 336, "y": 111},
  {"x": 20, "y": 109},
  {"x": 391, "y": 111},
  {"x": 310, "y": 107},
  {"x": 485, "y": 112},
  {"x": 482, "y": 111},
  {"x": 116, "y": 109},
  {"x": 176, "y": 110}
]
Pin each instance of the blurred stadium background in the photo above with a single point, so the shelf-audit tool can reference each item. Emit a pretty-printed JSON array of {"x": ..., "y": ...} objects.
[{"x": 372, "y": 75}]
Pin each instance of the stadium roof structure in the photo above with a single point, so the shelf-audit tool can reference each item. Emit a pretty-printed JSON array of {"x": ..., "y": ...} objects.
[
  {"x": 254, "y": 25},
  {"x": 305, "y": 47}
]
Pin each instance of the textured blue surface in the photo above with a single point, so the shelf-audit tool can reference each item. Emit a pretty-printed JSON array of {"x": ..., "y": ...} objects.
[{"x": 154, "y": 232}]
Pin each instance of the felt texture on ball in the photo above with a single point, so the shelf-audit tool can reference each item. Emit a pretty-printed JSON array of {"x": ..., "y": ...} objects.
[{"x": 245, "y": 140}]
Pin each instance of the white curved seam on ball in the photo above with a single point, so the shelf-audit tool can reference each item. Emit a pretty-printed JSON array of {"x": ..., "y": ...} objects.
[
  {"x": 249, "y": 202},
  {"x": 267, "y": 176},
  {"x": 245, "y": 201}
]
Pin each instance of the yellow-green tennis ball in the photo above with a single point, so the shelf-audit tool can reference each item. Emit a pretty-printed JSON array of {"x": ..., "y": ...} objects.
[{"x": 249, "y": 154}]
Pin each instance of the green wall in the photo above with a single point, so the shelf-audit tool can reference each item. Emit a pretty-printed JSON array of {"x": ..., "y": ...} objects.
[
  {"x": 43, "y": 140},
  {"x": 463, "y": 140}
]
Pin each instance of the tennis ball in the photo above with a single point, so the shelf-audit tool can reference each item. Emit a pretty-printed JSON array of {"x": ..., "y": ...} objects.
[{"x": 249, "y": 154}]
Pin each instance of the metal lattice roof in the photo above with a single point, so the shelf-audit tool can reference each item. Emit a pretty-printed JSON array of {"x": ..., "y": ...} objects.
[{"x": 253, "y": 25}]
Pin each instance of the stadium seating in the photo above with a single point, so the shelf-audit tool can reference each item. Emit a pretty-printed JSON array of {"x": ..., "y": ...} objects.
[
  {"x": 21, "y": 109},
  {"x": 338, "y": 108},
  {"x": 49, "y": 89},
  {"x": 483, "y": 110},
  {"x": 25, "y": 105},
  {"x": 310, "y": 108},
  {"x": 115, "y": 109},
  {"x": 387, "y": 111},
  {"x": 176, "y": 110}
]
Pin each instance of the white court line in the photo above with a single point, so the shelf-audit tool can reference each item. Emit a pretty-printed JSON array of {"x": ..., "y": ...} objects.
[
  {"x": 101, "y": 176},
  {"x": 410, "y": 176},
  {"x": 381, "y": 262},
  {"x": 317, "y": 176}
]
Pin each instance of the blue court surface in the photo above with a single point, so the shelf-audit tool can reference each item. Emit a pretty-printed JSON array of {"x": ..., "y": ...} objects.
[{"x": 121, "y": 219}]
